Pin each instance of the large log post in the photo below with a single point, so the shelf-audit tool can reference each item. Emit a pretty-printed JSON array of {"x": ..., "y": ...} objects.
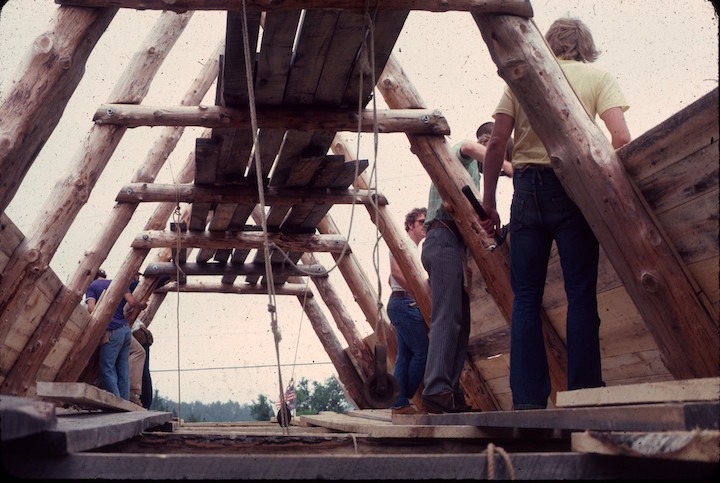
[
  {"x": 49, "y": 329},
  {"x": 347, "y": 374},
  {"x": 47, "y": 78},
  {"x": 358, "y": 350},
  {"x": 32, "y": 257},
  {"x": 651, "y": 270}
]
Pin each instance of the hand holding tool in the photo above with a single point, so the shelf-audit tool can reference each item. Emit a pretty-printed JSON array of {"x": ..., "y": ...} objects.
[{"x": 499, "y": 237}]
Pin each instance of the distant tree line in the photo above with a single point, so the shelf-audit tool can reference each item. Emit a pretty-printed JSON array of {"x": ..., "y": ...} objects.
[{"x": 327, "y": 396}]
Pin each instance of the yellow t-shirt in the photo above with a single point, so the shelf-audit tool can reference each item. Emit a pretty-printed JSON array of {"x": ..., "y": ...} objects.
[{"x": 597, "y": 90}]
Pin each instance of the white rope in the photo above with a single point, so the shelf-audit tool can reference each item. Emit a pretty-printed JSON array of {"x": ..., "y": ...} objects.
[
  {"x": 491, "y": 448},
  {"x": 176, "y": 223},
  {"x": 272, "y": 306},
  {"x": 373, "y": 185}
]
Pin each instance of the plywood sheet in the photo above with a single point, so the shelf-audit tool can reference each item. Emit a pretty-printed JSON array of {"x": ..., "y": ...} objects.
[{"x": 704, "y": 389}]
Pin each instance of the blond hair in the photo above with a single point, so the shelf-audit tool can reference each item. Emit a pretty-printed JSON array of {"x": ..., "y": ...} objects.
[{"x": 569, "y": 38}]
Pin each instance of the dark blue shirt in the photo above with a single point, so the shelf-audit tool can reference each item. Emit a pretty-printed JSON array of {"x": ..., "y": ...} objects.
[{"x": 95, "y": 290}]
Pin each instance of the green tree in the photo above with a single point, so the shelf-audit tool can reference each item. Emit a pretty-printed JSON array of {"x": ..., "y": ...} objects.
[
  {"x": 302, "y": 398},
  {"x": 323, "y": 397},
  {"x": 261, "y": 410},
  {"x": 329, "y": 397}
]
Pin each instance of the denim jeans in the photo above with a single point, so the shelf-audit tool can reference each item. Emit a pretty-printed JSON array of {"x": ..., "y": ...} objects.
[
  {"x": 114, "y": 362},
  {"x": 412, "y": 343},
  {"x": 541, "y": 212}
]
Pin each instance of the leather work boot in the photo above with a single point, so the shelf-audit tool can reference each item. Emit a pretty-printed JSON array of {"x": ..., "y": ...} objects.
[{"x": 439, "y": 403}]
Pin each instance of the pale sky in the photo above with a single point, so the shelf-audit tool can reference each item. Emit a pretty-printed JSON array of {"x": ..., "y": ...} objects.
[{"x": 664, "y": 54}]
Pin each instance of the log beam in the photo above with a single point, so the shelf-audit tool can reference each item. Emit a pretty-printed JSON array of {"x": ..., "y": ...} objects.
[
  {"x": 509, "y": 7},
  {"x": 241, "y": 194},
  {"x": 297, "y": 242},
  {"x": 47, "y": 78},
  {"x": 417, "y": 121},
  {"x": 297, "y": 289},
  {"x": 31, "y": 260},
  {"x": 169, "y": 269},
  {"x": 347, "y": 374},
  {"x": 357, "y": 348}
]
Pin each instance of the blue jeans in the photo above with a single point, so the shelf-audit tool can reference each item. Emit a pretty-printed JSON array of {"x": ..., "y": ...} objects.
[
  {"x": 541, "y": 212},
  {"x": 412, "y": 343},
  {"x": 114, "y": 362}
]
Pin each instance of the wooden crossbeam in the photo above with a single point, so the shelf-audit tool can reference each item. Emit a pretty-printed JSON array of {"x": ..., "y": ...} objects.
[
  {"x": 288, "y": 242},
  {"x": 508, "y": 7},
  {"x": 416, "y": 121},
  {"x": 170, "y": 269},
  {"x": 241, "y": 194},
  {"x": 297, "y": 289}
]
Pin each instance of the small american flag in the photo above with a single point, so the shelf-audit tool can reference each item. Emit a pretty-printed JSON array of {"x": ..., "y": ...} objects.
[{"x": 289, "y": 397}]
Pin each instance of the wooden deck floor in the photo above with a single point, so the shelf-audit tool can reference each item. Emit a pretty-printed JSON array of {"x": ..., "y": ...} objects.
[{"x": 614, "y": 439}]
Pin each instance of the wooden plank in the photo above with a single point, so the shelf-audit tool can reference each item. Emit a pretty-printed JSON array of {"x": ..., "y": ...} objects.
[
  {"x": 69, "y": 335},
  {"x": 673, "y": 445},
  {"x": 334, "y": 174},
  {"x": 635, "y": 367},
  {"x": 309, "y": 56},
  {"x": 86, "y": 431},
  {"x": 274, "y": 58},
  {"x": 10, "y": 238},
  {"x": 20, "y": 417},
  {"x": 383, "y": 429},
  {"x": 683, "y": 181},
  {"x": 85, "y": 395},
  {"x": 219, "y": 221},
  {"x": 206, "y": 159},
  {"x": 388, "y": 466},
  {"x": 675, "y": 138},
  {"x": 706, "y": 275},
  {"x": 234, "y": 155},
  {"x": 373, "y": 414},
  {"x": 704, "y": 389},
  {"x": 343, "y": 50},
  {"x": 387, "y": 28},
  {"x": 296, "y": 145},
  {"x": 693, "y": 228},
  {"x": 646, "y": 417},
  {"x": 234, "y": 79}
]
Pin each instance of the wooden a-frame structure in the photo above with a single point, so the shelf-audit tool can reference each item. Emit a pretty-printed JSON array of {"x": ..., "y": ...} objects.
[{"x": 658, "y": 283}]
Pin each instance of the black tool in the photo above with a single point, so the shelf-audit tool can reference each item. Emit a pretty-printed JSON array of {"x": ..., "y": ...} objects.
[{"x": 500, "y": 238}]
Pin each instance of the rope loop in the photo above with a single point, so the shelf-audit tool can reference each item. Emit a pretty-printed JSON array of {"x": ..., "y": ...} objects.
[{"x": 491, "y": 448}]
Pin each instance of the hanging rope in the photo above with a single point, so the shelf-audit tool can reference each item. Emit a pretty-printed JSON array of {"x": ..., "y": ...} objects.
[
  {"x": 272, "y": 307},
  {"x": 368, "y": 54},
  {"x": 176, "y": 223}
]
